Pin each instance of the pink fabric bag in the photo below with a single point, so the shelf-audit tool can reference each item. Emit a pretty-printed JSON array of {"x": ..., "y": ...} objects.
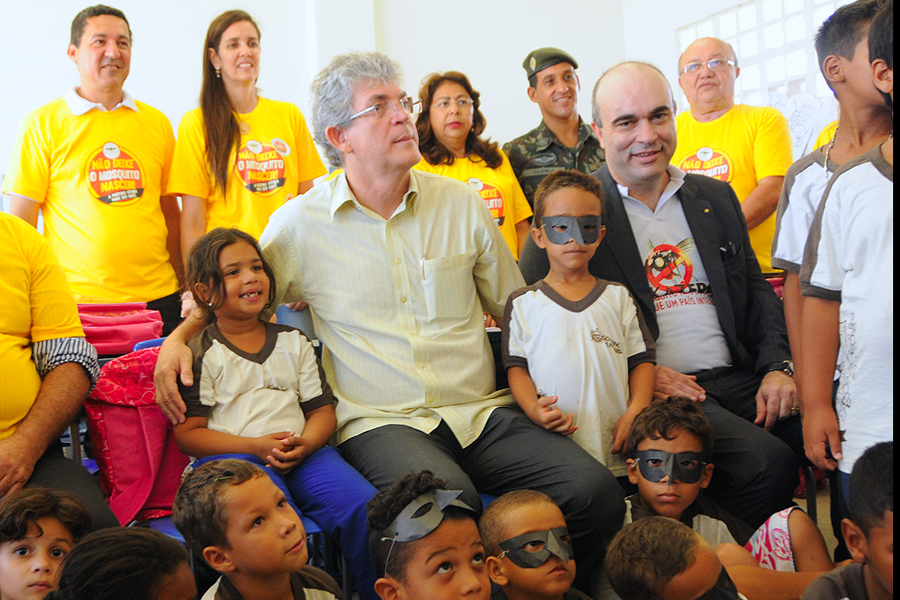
[
  {"x": 116, "y": 328},
  {"x": 140, "y": 464}
]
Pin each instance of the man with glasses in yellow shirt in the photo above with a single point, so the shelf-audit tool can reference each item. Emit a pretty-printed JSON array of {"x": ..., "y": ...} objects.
[{"x": 747, "y": 146}]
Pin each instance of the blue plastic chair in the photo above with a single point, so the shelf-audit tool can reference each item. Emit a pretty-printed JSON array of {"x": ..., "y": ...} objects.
[{"x": 149, "y": 344}]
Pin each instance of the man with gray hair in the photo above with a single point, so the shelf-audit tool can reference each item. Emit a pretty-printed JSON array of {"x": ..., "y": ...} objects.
[
  {"x": 679, "y": 243},
  {"x": 398, "y": 267}
]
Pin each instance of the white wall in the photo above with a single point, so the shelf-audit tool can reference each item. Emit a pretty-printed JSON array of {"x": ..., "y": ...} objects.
[{"x": 488, "y": 40}]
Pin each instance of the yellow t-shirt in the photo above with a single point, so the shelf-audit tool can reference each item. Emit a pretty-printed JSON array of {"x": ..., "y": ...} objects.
[
  {"x": 98, "y": 177},
  {"x": 741, "y": 147},
  {"x": 498, "y": 187},
  {"x": 276, "y": 153},
  {"x": 37, "y": 306},
  {"x": 827, "y": 134}
]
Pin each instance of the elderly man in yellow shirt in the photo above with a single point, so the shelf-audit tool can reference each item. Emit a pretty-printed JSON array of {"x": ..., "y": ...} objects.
[
  {"x": 747, "y": 146},
  {"x": 397, "y": 266}
]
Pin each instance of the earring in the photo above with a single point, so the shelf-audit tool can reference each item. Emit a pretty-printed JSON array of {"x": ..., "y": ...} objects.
[
  {"x": 209, "y": 304},
  {"x": 218, "y": 74}
]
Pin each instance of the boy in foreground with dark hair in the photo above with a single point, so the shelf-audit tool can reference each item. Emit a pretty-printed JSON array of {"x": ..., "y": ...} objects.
[
  {"x": 425, "y": 542},
  {"x": 529, "y": 551},
  {"x": 38, "y": 528},
  {"x": 869, "y": 533},
  {"x": 658, "y": 558},
  {"x": 671, "y": 449},
  {"x": 232, "y": 515}
]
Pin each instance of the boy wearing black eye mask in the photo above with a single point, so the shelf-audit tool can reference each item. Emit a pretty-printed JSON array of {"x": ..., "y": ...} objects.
[
  {"x": 578, "y": 354},
  {"x": 530, "y": 554},
  {"x": 671, "y": 446}
]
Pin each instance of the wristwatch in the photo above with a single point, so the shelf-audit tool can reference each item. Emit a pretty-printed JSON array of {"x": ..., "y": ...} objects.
[{"x": 786, "y": 366}]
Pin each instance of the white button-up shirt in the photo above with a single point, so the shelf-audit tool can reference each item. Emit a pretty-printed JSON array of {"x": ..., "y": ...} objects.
[{"x": 398, "y": 303}]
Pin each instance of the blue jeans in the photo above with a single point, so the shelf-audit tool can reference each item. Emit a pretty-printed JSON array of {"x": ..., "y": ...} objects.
[{"x": 333, "y": 494}]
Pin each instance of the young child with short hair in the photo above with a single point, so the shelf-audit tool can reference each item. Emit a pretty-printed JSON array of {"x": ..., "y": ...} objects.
[
  {"x": 259, "y": 394},
  {"x": 869, "y": 533},
  {"x": 579, "y": 357},
  {"x": 132, "y": 562},
  {"x": 233, "y": 515},
  {"x": 425, "y": 542},
  {"x": 38, "y": 528},
  {"x": 658, "y": 558},
  {"x": 671, "y": 449},
  {"x": 529, "y": 551}
]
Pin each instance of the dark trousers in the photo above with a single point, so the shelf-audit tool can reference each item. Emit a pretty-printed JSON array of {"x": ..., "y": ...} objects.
[
  {"x": 169, "y": 308},
  {"x": 54, "y": 470},
  {"x": 511, "y": 453},
  {"x": 756, "y": 471}
]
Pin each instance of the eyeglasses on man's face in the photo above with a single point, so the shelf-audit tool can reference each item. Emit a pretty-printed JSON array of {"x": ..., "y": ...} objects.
[
  {"x": 383, "y": 107},
  {"x": 715, "y": 64}
]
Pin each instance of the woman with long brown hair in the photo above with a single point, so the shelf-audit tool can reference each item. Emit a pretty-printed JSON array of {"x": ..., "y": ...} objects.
[
  {"x": 239, "y": 156},
  {"x": 450, "y": 127}
]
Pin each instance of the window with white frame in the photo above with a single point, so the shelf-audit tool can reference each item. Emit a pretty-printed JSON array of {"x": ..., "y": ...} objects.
[{"x": 774, "y": 43}]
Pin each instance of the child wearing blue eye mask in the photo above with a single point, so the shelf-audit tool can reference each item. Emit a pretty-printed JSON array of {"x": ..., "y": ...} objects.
[
  {"x": 578, "y": 354},
  {"x": 670, "y": 450}
]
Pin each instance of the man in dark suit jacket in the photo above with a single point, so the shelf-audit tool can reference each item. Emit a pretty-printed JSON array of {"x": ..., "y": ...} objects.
[{"x": 733, "y": 357}]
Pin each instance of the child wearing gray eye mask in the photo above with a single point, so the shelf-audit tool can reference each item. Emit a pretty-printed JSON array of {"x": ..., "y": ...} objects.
[
  {"x": 529, "y": 551},
  {"x": 580, "y": 359},
  {"x": 670, "y": 462}
]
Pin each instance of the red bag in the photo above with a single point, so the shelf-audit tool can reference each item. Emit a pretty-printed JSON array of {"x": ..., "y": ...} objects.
[
  {"x": 116, "y": 328},
  {"x": 140, "y": 464}
]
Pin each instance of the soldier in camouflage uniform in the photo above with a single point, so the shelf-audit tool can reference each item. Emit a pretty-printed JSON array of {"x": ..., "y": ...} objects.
[{"x": 562, "y": 140}]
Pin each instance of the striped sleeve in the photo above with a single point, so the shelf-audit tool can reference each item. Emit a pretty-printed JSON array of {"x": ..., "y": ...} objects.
[{"x": 49, "y": 354}]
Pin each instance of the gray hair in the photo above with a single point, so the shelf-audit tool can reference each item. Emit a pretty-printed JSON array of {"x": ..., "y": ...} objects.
[
  {"x": 595, "y": 108},
  {"x": 332, "y": 91}
]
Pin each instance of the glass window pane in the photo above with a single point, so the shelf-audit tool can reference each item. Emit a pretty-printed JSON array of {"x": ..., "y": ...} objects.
[
  {"x": 771, "y": 10},
  {"x": 796, "y": 86},
  {"x": 749, "y": 77},
  {"x": 773, "y": 36},
  {"x": 821, "y": 13},
  {"x": 775, "y": 70},
  {"x": 753, "y": 99},
  {"x": 687, "y": 36},
  {"x": 796, "y": 63},
  {"x": 795, "y": 28},
  {"x": 748, "y": 44},
  {"x": 822, "y": 89},
  {"x": 728, "y": 25},
  {"x": 705, "y": 30},
  {"x": 792, "y": 6},
  {"x": 747, "y": 17}
]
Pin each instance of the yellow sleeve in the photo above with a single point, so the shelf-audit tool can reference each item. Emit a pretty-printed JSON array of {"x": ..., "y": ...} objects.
[
  {"x": 772, "y": 151},
  {"x": 521, "y": 208},
  {"x": 28, "y": 173},
  {"x": 169, "y": 150},
  {"x": 189, "y": 173},
  {"x": 826, "y": 134},
  {"x": 54, "y": 313},
  {"x": 310, "y": 163}
]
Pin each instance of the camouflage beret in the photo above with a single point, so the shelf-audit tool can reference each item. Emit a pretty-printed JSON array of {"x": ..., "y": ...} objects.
[{"x": 540, "y": 59}]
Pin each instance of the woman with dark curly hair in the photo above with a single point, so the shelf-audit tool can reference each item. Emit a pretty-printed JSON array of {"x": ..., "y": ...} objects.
[{"x": 450, "y": 127}]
